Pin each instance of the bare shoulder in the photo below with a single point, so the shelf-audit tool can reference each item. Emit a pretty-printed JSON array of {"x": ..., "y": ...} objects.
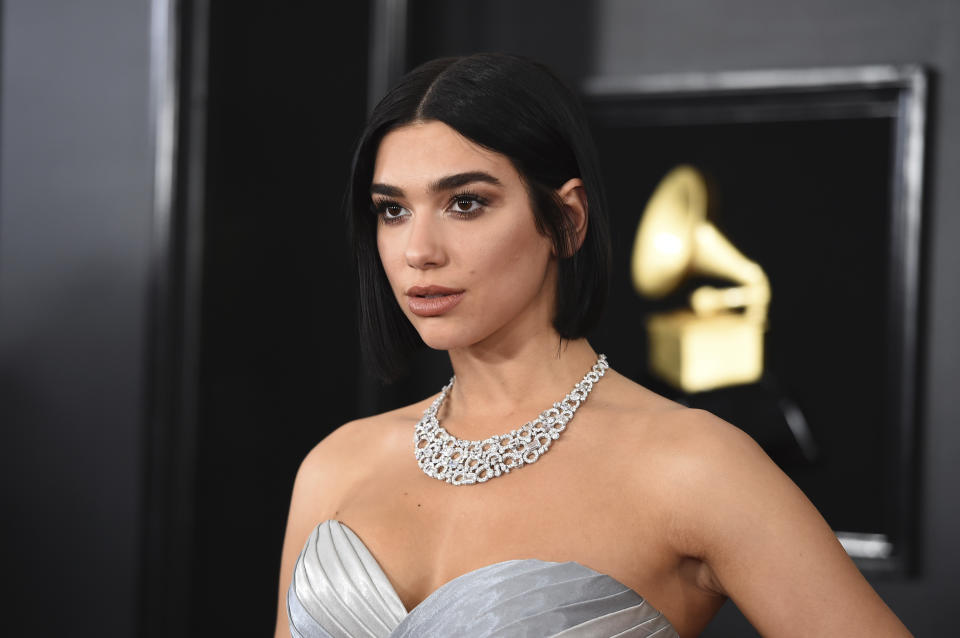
[
  {"x": 333, "y": 459},
  {"x": 676, "y": 433},
  {"x": 683, "y": 437},
  {"x": 688, "y": 462},
  {"x": 761, "y": 541},
  {"x": 714, "y": 473},
  {"x": 708, "y": 470},
  {"x": 330, "y": 470},
  {"x": 325, "y": 477},
  {"x": 700, "y": 445}
]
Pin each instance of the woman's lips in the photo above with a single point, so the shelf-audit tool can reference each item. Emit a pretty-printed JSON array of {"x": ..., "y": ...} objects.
[{"x": 432, "y": 301}]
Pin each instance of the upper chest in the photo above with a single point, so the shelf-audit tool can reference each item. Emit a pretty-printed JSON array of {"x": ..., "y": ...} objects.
[{"x": 583, "y": 501}]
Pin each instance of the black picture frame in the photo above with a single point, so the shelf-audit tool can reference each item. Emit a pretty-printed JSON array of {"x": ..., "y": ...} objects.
[{"x": 854, "y": 134}]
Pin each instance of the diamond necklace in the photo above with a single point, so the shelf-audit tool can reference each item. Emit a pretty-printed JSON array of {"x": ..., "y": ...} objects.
[{"x": 463, "y": 462}]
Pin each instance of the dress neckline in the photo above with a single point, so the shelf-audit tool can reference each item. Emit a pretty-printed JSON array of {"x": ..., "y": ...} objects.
[{"x": 349, "y": 532}]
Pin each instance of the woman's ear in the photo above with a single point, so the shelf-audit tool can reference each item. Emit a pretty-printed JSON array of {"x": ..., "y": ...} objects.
[{"x": 574, "y": 199}]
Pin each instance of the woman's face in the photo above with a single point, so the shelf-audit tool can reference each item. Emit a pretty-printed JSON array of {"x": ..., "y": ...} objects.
[{"x": 457, "y": 239}]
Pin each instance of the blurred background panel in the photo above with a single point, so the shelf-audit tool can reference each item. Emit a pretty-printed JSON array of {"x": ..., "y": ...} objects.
[
  {"x": 76, "y": 177},
  {"x": 170, "y": 277},
  {"x": 286, "y": 97}
]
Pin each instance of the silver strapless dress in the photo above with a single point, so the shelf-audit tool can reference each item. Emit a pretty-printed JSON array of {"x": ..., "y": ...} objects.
[{"x": 339, "y": 591}]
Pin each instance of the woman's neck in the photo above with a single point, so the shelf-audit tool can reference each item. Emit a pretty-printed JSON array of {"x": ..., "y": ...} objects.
[{"x": 499, "y": 385}]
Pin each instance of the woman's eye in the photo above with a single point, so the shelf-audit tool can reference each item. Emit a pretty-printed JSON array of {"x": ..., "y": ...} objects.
[
  {"x": 466, "y": 205},
  {"x": 390, "y": 211}
]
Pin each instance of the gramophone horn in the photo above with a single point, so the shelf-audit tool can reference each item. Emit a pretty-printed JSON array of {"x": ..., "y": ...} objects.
[
  {"x": 675, "y": 239},
  {"x": 663, "y": 248}
]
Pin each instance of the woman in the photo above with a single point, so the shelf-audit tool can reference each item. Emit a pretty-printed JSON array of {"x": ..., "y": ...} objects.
[{"x": 478, "y": 221}]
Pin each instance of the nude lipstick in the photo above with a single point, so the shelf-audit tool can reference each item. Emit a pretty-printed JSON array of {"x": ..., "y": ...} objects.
[{"x": 432, "y": 301}]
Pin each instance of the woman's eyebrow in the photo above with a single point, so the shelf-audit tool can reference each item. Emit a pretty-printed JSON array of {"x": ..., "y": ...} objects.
[
  {"x": 385, "y": 189},
  {"x": 462, "y": 179},
  {"x": 443, "y": 184}
]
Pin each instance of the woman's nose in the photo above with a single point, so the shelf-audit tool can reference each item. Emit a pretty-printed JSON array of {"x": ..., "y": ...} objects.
[{"x": 424, "y": 246}]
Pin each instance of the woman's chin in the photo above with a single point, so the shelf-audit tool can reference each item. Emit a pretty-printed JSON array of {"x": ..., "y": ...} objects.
[
  {"x": 445, "y": 343},
  {"x": 447, "y": 339}
]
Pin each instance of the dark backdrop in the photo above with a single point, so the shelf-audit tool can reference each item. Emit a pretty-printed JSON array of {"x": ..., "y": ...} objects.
[
  {"x": 75, "y": 215},
  {"x": 278, "y": 356}
]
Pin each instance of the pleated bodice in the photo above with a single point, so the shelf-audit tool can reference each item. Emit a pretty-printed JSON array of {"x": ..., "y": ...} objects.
[{"x": 338, "y": 590}]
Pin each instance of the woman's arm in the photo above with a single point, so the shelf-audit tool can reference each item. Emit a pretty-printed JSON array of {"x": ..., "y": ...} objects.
[
  {"x": 765, "y": 544},
  {"x": 317, "y": 481}
]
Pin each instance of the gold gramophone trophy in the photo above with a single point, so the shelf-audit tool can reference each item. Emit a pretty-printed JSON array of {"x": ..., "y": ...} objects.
[{"x": 718, "y": 340}]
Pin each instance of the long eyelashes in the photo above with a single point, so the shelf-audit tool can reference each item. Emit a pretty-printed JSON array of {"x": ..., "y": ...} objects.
[
  {"x": 462, "y": 205},
  {"x": 388, "y": 210},
  {"x": 467, "y": 205}
]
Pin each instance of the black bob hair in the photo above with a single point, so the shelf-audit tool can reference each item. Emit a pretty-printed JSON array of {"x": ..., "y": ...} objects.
[{"x": 515, "y": 107}]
